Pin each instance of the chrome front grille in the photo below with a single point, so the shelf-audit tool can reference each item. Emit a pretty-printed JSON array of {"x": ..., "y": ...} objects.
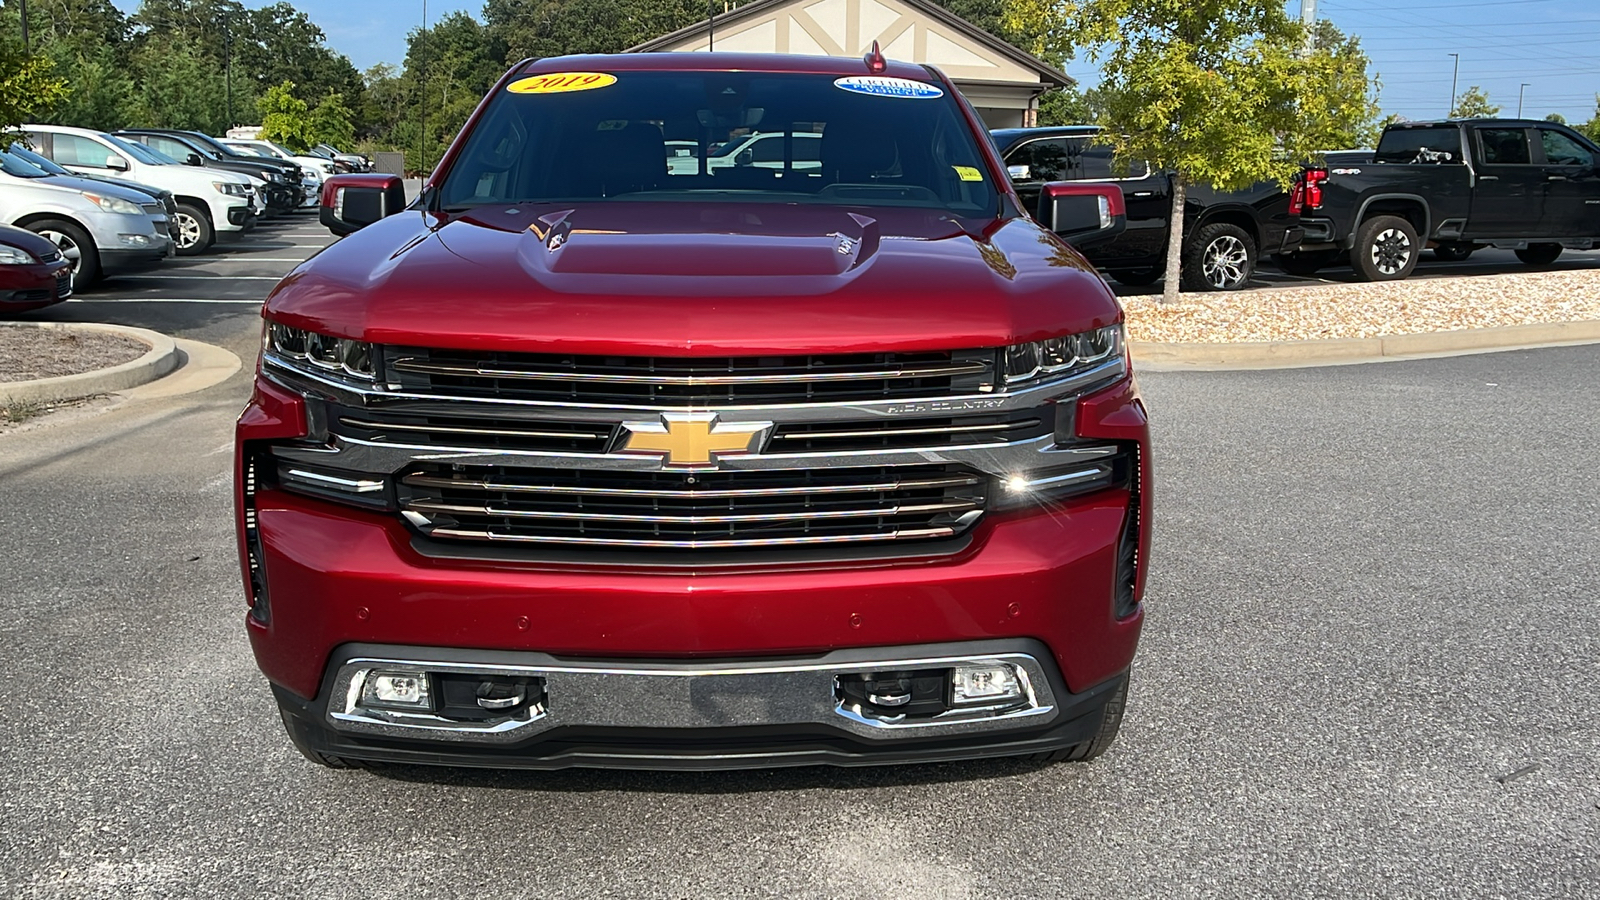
[
  {"x": 670, "y": 511},
  {"x": 490, "y": 429},
  {"x": 684, "y": 381}
]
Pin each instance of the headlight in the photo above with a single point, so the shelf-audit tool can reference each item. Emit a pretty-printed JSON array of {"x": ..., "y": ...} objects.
[
  {"x": 232, "y": 188},
  {"x": 114, "y": 204},
  {"x": 1063, "y": 356},
  {"x": 11, "y": 256},
  {"x": 319, "y": 354},
  {"x": 272, "y": 176}
]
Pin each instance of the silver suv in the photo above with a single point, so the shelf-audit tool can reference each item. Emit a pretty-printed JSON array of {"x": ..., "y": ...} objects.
[{"x": 101, "y": 228}]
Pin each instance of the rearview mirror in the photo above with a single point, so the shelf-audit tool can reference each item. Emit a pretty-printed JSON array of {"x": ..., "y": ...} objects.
[
  {"x": 352, "y": 202},
  {"x": 1083, "y": 213},
  {"x": 116, "y": 162}
]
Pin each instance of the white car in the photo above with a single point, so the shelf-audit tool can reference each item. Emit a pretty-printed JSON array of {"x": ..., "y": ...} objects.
[
  {"x": 212, "y": 204},
  {"x": 98, "y": 227},
  {"x": 314, "y": 169}
]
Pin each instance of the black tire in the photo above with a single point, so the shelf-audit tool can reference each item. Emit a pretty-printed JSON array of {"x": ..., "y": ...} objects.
[
  {"x": 1110, "y": 723},
  {"x": 1453, "y": 252},
  {"x": 1305, "y": 264},
  {"x": 75, "y": 244},
  {"x": 1219, "y": 257},
  {"x": 1136, "y": 277},
  {"x": 1539, "y": 254},
  {"x": 191, "y": 230},
  {"x": 1386, "y": 249}
]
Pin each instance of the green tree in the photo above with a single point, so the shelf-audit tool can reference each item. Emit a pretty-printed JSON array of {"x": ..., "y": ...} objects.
[
  {"x": 330, "y": 122},
  {"x": 1474, "y": 104},
  {"x": 1219, "y": 92},
  {"x": 1557, "y": 118},
  {"x": 178, "y": 88},
  {"x": 29, "y": 88},
  {"x": 1070, "y": 106},
  {"x": 1591, "y": 128},
  {"x": 285, "y": 118},
  {"x": 556, "y": 27}
]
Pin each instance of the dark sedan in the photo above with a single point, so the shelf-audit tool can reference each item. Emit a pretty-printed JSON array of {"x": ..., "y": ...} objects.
[{"x": 33, "y": 273}]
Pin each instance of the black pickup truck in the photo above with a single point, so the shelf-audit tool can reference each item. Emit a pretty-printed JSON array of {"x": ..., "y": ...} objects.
[
  {"x": 1456, "y": 185},
  {"x": 1227, "y": 231}
]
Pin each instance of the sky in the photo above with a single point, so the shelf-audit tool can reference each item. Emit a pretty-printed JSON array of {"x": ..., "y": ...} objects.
[{"x": 1552, "y": 45}]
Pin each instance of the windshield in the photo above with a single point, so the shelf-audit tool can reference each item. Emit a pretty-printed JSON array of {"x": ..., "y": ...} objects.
[
  {"x": 208, "y": 147},
  {"x": 140, "y": 152},
  {"x": 44, "y": 163},
  {"x": 725, "y": 136},
  {"x": 13, "y": 164}
]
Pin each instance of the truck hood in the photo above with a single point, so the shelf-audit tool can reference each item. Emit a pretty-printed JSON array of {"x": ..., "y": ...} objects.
[{"x": 704, "y": 279}]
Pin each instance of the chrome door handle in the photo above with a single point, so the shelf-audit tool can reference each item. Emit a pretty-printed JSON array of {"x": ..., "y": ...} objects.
[
  {"x": 1488, "y": 177},
  {"x": 1555, "y": 178}
]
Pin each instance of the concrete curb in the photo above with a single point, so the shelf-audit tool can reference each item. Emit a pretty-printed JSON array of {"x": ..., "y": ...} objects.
[
  {"x": 161, "y": 360},
  {"x": 1158, "y": 357}
]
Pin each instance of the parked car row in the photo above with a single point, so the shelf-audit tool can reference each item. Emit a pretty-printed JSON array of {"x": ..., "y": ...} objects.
[
  {"x": 1454, "y": 186},
  {"x": 115, "y": 203}
]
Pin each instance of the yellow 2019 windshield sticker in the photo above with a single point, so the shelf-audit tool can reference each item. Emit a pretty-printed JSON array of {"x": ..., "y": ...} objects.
[
  {"x": 968, "y": 173},
  {"x": 561, "y": 83}
]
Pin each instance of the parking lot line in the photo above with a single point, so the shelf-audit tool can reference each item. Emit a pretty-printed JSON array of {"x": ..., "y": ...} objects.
[{"x": 249, "y": 259}]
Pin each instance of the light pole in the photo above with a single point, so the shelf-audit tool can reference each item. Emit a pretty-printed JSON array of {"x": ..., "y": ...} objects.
[
  {"x": 1451, "y": 109},
  {"x": 422, "y": 64},
  {"x": 26, "y": 51},
  {"x": 1520, "y": 91}
]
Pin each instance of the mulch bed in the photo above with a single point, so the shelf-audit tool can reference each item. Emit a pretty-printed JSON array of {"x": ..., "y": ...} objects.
[{"x": 30, "y": 353}]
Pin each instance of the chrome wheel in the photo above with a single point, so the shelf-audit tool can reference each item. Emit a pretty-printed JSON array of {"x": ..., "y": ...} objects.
[
  {"x": 1391, "y": 251},
  {"x": 188, "y": 232},
  {"x": 1226, "y": 263},
  {"x": 69, "y": 248}
]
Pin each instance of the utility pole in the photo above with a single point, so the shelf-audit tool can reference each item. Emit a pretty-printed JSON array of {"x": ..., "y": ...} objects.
[
  {"x": 227, "y": 65},
  {"x": 711, "y": 25},
  {"x": 422, "y": 66},
  {"x": 1450, "y": 110},
  {"x": 1520, "y": 91},
  {"x": 26, "y": 50},
  {"x": 1308, "y": 18}
]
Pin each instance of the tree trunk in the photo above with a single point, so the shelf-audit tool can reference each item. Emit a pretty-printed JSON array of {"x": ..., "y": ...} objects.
[{"x": 1174, "y": 277}]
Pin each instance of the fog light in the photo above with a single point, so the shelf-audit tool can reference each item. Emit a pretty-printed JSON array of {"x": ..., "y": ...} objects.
[
  {"x": 397, "y": 690},
  {"x": 134, "y": 240},
  {"x": 985, "y": 685}
]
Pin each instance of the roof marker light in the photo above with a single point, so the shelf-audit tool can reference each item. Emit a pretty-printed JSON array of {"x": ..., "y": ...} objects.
[{"x": 875, "y": 61}]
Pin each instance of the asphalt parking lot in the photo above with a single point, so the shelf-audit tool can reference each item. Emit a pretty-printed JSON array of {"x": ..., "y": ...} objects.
[{"x": 1369, "y": 670}]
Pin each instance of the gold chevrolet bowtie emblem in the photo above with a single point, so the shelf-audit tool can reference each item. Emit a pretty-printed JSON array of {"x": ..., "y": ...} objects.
[{"x": 692, "y": 439}]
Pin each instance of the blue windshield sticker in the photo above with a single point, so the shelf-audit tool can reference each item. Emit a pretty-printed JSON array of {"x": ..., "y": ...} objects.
[{"x": 883, "y": 86}]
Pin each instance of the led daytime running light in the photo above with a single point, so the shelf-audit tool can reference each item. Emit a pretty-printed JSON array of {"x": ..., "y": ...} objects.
[
  {"x": 1026, "y": 362},
  {"x": 322, "y": 352}
]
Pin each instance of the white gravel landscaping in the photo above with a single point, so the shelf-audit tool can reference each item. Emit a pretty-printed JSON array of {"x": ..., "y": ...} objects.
[{"x": 1379, "y": 309}]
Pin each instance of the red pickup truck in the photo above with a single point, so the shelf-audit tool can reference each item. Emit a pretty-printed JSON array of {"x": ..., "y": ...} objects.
[{"x": 583, "y": 458}]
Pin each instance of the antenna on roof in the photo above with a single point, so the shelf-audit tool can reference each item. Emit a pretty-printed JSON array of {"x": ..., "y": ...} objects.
[{"x": 875, "y": 61}]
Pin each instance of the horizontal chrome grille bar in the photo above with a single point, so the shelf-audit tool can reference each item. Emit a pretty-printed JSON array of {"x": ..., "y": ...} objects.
[
  {"x": 462, "y": 429},
  {"x": 929, "y": 370},
  {"x": 948, "y": 506},
  {"x": 952, "y": 481},
  {"x": 891, "y": 432},
  {"x": 695, "y": 543}
]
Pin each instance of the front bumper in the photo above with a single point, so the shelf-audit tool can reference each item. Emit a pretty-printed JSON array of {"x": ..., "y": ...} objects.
[
  {"x": 113, "y": 262},
  {"x": 331, "y": 581},
  {"x": 695, "y": 715},
  {"x": 34, "y": 286}
]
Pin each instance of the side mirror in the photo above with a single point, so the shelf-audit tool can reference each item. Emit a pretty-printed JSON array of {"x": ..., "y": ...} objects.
[
  {"x": 116, "y": 162},
  {"x": 1083, "y": 213},
  {"x": 352, "y": 202},
  {"x": 746, "y": 157},
  {"x": 1019, "y": 173},
  {"x": 193, "y": 159}
]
